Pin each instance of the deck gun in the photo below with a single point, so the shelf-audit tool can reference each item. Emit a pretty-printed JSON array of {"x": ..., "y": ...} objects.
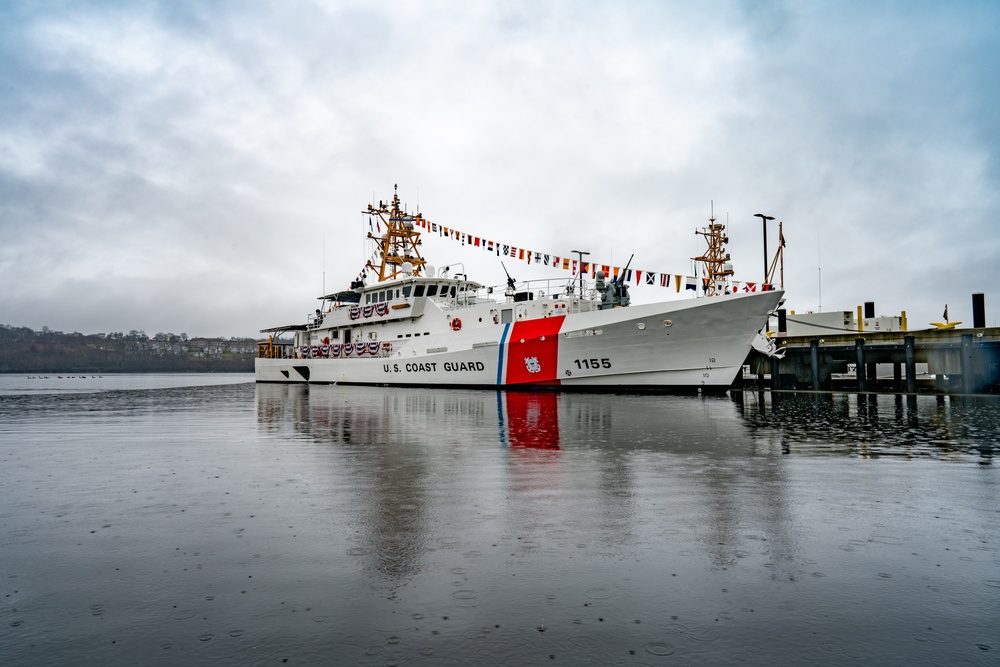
[
  {"x": 615, "y": 295},
  {"x": 510, "y": 281}
]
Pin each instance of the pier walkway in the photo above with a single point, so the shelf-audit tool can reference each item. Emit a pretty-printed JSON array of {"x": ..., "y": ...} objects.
[{"x": 958, "y": 361}]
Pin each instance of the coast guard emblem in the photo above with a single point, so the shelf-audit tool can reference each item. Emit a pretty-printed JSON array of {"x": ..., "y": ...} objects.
[{"x": 531, "y": 363}]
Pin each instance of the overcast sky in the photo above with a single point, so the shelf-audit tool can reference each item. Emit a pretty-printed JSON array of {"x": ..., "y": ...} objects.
[{"x": 202, "y": 166}]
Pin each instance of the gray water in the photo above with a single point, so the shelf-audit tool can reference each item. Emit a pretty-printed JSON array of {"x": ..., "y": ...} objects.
[{"x": 210, "y": 520}]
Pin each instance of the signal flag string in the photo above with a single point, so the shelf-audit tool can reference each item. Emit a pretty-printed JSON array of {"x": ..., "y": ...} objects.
[{"x": 639, "y": 276}]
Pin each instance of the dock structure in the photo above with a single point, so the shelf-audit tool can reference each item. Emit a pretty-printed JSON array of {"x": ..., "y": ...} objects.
[{"x": 958, "y": 361}]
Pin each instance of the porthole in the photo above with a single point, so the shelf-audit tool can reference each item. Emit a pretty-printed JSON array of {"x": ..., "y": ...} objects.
[
  {"x": 641, "y": 326},
  {"x": 667, "y": 323}
]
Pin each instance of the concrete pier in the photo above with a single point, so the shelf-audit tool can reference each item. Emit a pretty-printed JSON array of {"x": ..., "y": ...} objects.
[{"x": 958, "y": 361}]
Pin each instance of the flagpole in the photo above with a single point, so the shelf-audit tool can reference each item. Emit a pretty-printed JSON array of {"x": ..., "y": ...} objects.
[{"x": 580, "y": 253}]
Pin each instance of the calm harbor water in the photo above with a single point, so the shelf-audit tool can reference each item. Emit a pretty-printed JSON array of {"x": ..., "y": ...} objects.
[{"x": 206, "y": 520}]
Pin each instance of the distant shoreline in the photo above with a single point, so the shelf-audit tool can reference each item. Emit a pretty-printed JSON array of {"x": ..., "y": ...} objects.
[{"x": 24, "y": 350}]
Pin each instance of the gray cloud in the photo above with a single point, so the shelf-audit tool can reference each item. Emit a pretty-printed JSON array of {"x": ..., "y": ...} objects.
[{"x": 171, "y": 166}]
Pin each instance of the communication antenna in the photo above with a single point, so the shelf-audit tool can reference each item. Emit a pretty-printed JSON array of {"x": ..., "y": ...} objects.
[{"x": 819, "y": 268}]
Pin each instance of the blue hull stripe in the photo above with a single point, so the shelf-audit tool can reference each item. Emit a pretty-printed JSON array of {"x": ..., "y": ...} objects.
[{"x": 500, "y": 360}]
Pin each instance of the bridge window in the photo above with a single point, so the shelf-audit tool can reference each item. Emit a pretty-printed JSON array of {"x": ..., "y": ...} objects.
[
  {"x": 432, "y": 290},
  {"x": 418, "y": 291}
]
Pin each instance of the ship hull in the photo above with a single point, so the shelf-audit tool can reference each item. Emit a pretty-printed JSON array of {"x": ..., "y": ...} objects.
[{"x": 685, "y": 344}]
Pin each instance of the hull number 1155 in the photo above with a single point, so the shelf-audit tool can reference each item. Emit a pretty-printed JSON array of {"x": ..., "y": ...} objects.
[{"x": 592, "y": 364}]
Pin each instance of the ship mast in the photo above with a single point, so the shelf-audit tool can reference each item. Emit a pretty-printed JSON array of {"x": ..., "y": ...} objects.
[
  {"x": 716, "y": 259},
  {"x": 398, "y": 245}
]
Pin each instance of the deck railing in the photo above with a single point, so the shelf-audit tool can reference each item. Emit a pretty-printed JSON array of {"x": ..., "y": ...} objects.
[{"x": 268, "y": 349}]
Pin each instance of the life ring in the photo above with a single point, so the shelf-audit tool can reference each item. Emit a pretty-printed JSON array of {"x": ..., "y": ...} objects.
[{"x": 456, "y": 324}]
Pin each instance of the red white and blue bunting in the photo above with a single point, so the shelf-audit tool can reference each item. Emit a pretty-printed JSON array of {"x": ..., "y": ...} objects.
[
  {"x": 356, "y": 312},
  {"x": 373, "y": 348}
]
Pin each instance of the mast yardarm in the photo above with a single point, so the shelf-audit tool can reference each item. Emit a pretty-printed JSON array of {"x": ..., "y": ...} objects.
[{"x": 399, "y": 243}]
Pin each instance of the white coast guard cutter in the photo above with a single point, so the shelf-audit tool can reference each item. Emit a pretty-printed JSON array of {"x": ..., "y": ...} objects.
[{"x": 412, "y": 327}]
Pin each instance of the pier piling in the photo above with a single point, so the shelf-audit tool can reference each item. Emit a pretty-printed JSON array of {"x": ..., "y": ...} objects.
[
  {"x": 814, "y": 363},
  {"x": 859, "y": 355},
  {"x": 911, "y": 363},
  {"x": 968, "y": 369}
]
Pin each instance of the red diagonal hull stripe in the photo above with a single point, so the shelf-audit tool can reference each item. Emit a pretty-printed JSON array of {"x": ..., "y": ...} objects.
[{"x": 541, "y": 342}]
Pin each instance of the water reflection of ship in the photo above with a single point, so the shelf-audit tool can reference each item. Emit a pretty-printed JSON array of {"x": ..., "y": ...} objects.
[
  {"x": 529, "y": 419},
  {"x": 413, "y": 455}
]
